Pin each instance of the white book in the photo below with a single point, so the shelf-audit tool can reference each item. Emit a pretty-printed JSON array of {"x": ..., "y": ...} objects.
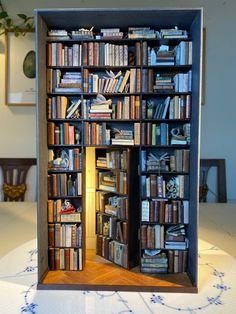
[
  {"x": 157, "y": 236},
  {"x": 80, "y": 259},
  {"x": 79, "y": 181},
  {"x": 186, "y": 211},
  {"x": 62, "y": 259},
  {"x": 71, "y": 259},
  {"x": 148, "y": 187},
  {"x": 145, "y": 210},
  {"x": 75, "y": 258},
  {"x": 71, "y": 159},
  {"x": 68, "y": 234},
  {"x": 63, "y": 235}
]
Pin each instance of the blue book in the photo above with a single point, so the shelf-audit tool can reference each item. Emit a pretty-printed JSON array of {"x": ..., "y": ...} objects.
[
  {"x": 143, "y": 160},
  {"x": 119, "y": 83},
  {"x": 164, "y": 134},
  {"x": 61, "y": 133},
  {"x": 158, "y": 135},
  {"x": 54, "y": 107}
]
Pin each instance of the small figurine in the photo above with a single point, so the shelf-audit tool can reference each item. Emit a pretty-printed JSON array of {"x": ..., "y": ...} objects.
[{"x": 67, "y": 208}]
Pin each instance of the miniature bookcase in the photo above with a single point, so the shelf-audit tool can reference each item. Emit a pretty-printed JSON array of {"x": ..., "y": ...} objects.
[{"x": 127, "y": 83}]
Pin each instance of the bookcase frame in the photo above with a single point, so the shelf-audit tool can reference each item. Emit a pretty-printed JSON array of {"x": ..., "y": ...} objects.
[{"x": 190, "y": 19}]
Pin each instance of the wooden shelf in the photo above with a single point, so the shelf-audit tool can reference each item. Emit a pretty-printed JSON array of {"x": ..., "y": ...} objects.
[
  {"x": 117, "y": 193},
  {"x": 64, "y": 197},
  {"x": 109, "y": 215},
  {"x": 64, "y": 171}
]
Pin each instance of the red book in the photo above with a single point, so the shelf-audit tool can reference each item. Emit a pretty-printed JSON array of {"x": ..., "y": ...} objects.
[
  {"x": 143, "y": 236},
  {"x": 51, "y": 258},
  {"x": 71, "y": 134},
  {"x": 51, "y": 235},
  {"x": 76, "y": 159},
  {"x": 51, "y": 133},
  {"x": 67, "y": 259},
  {"x": 66, "y": 133}
]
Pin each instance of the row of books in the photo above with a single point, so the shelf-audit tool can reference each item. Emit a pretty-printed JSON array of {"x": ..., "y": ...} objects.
[
  {"x": 112, "y": 204},
  {"x": 173, "y": 261},
  {"x": 116, "y": 33},
  {"x": 104, "y": 54},
  {"x": 177, "y": 107},
  {"x": 106, "y": 134},
  {"x": 147, "y": 32},
  {"x": 63, "y": 34},
  {"x": 158, "y": 186},
  {"x": 157, "y": 237},
  {"x": 165, "y": 134},
  {"x": 183, "y": 53},
  {"x": 112, "y": 227},
  {"x": 108, "y": 82},
  {"x": 65, "y": 259},
  {"x": 154, "y": 261},
  {"x": 183, "y": 82},
  {"x": 64, "y": 235},
  {"x": 63, "y": 133},
  {"x": 65, "y": 159},
  {"x": 112, "y": 250},
  {"x": 176, "y": 160},
  {"x": 125, "y": 108},
  {"x": 62, "y": 107},
  {"x": 61, "y": 184},
  {"x": 63, "y": 55},
  {"x": 107, "y": 54},
  {"x": 116, "y": 159},
  {"x": 112, "y": 181},
  {"x": 163, "y": 212},
  {"x": 63, "y": 211}
]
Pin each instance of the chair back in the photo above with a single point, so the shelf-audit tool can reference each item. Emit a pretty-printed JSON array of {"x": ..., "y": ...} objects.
[
  {"x": 14, "y": 177},
  {"x": 205, "y": 166}
]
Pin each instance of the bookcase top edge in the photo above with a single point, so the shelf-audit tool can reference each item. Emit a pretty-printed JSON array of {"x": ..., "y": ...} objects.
[{"x": 67, "y": 10}]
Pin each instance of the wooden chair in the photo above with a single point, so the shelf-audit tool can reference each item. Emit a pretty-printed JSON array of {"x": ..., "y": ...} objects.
[
  {"x": 205, "y": 165},
  {"x": 14, "y": 177}
]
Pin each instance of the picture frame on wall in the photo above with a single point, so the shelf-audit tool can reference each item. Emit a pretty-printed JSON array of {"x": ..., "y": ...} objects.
[{"x": 20, "y": 72}]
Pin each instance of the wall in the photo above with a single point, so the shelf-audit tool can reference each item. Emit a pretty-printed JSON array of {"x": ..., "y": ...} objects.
[
  {"x": 18, "y": 133},
  {"x": 218, "y": 113}
]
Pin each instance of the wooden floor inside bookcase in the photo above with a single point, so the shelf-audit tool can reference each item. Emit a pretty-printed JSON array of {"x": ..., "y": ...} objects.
[{"x": 100, "y": 274}]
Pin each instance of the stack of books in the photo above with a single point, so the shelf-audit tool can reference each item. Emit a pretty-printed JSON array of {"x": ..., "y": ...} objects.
[
  {"x": 173, "y": 33},
  {"x": 100, "y": 108},
  {"x": 111, "y": 33},
  {"x": 58, "y": 34},
  {"x": 153, "y": 261},
  {"x": 175, "y": 238},
  {"x": 107, "y": 181},
  {"x": 163, "y": 83},
  {"x": 141, "y": 32},
  {"x": 165, "y": 58},
  {"x": 122, "y": 137},
  {"x": 82, "y": 33},
  {"x": 70, "y": 82}
]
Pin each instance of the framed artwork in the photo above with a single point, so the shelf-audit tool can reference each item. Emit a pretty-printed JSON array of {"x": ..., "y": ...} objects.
[{"x": 20, "y": 71}]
